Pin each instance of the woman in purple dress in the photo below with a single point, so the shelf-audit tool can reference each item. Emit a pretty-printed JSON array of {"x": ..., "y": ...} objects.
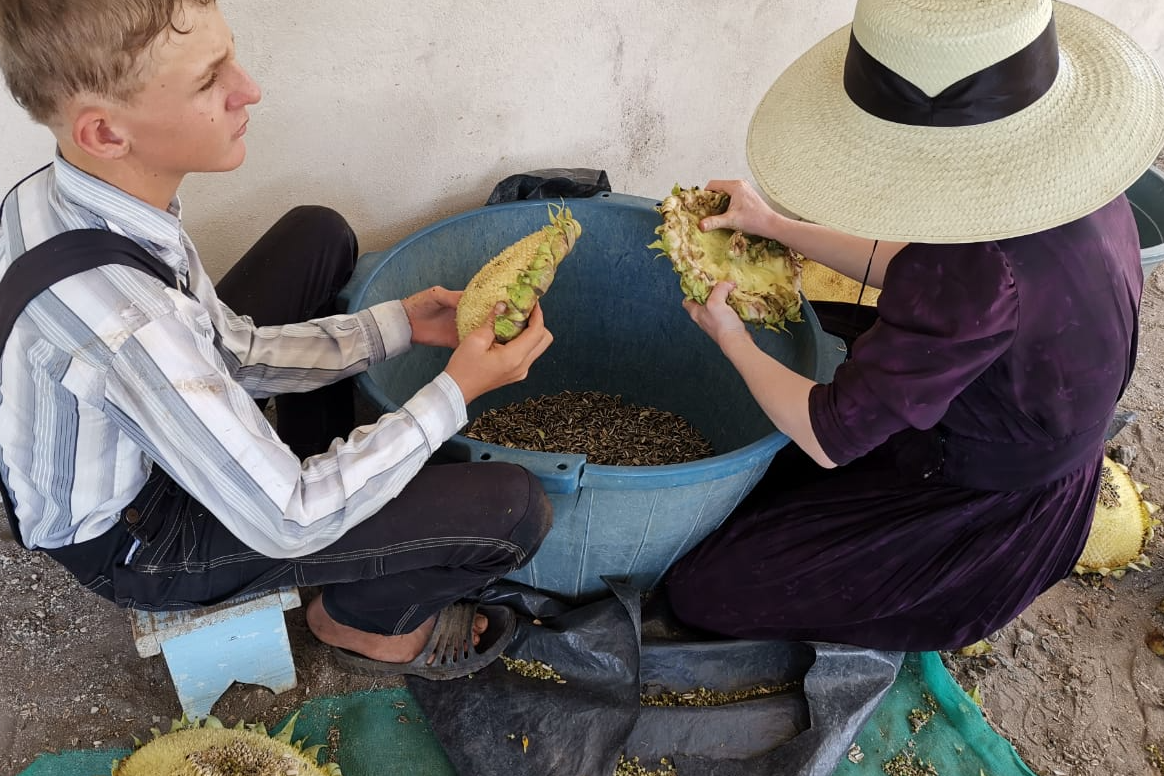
[{"x": 968, "y": 159}]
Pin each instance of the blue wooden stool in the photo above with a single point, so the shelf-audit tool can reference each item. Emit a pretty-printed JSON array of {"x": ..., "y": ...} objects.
[{"x": 243, "y": 639}]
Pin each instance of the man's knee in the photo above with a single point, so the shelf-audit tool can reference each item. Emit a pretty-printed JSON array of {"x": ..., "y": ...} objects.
[
  {"x": 537, "y": 514},
  {"x": 318, "y": 217},
  {"x": 324, "y": 225},
  {"x": 502, "y": 505}
]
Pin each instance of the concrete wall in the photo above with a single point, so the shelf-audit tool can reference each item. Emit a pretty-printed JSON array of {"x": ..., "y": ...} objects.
[{"x": 398, "y": 113}]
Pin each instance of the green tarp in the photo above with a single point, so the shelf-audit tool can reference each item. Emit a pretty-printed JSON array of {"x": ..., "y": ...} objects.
[
  {"x": 951, "y": 734},
  {"x": 924, "y": 722}
]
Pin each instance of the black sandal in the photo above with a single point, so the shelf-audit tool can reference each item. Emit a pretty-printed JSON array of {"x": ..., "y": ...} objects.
[{"x": 449, "y": 646}]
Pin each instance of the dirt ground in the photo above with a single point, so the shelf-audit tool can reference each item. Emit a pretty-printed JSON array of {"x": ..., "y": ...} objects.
[{"x": 1070, "y": 683}]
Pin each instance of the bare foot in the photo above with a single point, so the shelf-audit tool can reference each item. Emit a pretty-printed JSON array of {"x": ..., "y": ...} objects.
[{"x": 390, "y": 649}]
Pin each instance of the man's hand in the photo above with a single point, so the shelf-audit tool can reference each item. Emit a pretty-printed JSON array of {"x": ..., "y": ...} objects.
[
  {"x": 433, "y": 316},
  {"x": 479, "y": 364},
  {"x": 719, "y": 321}
]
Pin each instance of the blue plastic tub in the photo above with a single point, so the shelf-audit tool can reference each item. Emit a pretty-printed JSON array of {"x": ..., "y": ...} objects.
[
  {"x": 1147, "y": 198},
  {"x": 619, "y": 328}
]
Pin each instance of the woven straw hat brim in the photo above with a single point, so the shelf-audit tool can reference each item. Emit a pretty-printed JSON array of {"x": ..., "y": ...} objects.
[{"x": 1088, "y": 139}]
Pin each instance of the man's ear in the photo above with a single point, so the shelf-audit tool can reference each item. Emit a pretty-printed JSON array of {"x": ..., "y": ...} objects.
[{"x": 95, "y": 133}]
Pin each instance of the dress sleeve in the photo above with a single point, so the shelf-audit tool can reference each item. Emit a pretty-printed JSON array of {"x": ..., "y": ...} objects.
[{"x": 946, "y": 313}]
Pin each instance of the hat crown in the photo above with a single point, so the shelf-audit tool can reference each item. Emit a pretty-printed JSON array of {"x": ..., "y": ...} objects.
[{"x": 935, "y": 43}]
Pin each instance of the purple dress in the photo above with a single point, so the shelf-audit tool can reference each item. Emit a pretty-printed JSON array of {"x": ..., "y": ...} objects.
[{"x": 968, "y": 429}]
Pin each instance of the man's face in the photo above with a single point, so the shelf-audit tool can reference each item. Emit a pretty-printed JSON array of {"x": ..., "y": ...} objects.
[{"x": 190, "y": 115}]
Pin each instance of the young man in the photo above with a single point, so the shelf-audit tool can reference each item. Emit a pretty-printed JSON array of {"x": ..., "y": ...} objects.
[{"x": 131, "y": 443}]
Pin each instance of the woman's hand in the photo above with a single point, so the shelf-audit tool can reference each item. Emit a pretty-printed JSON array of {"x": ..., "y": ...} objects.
[
  {"x": 780, "y": 392},
  {"x": 719, "y": 321},
  {"x": 432, "y": 313},
  {"x": 747, "y": 211}
]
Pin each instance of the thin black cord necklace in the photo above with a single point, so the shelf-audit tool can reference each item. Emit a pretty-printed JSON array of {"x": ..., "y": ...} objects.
[{"x": 865, "y": 280}]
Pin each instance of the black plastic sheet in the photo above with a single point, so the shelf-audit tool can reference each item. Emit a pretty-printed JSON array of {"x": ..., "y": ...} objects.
[
  {"x": 552, "y": 183},
  {"x": 501, "y": 723}
]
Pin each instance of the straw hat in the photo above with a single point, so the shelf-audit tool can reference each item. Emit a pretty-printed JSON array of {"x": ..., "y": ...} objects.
[{"x": 850, "y": 137}]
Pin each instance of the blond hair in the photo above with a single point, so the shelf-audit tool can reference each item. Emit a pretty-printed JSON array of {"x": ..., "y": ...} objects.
[{"x": 52, "y": 50}]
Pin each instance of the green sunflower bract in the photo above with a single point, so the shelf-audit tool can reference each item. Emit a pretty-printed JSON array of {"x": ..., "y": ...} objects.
[{"x": 518, "y": 276}]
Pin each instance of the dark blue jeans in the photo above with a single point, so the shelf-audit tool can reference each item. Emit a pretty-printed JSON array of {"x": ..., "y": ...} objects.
[{"x": 452, "y": 530}]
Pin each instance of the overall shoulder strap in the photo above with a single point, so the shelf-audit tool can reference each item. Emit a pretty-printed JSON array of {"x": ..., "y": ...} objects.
[
  {"x": 53, "y": 260},
  {"x": 63, "y": 256}
]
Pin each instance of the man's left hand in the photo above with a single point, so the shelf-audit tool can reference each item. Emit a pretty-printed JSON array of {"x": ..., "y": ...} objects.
[{"x": 432, "y": 314}]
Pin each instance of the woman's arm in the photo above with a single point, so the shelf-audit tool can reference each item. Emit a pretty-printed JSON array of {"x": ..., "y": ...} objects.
[
  {"x": 844, "y": 253},
  {"x": 780, "y": 392}
]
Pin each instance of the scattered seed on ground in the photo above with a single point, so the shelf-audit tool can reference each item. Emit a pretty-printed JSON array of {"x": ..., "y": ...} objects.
[
  {"x": 907, "y": 763},
  {"x": 632, "y": 767},
  {"x": 919, "y": 717},
  {"x": 533, "y": 669},
  {"x": 701, "y": 696},
  {"x": 333, "y": 743},
  {"x": 1155, "y": 756},
  {"x": 594, "y": 424}
]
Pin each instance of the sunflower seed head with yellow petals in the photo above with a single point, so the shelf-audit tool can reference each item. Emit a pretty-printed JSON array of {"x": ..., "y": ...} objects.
[{"x": 766, "y": 273}]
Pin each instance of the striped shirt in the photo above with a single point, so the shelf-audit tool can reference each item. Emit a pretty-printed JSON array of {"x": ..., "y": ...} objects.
[{"x": 110, "y": 372}]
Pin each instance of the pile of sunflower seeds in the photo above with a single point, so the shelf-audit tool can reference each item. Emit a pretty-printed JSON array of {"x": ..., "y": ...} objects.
[
  {"x": 593, "y": 424},
  {"x": 701, "y": 696},
  {"x": 918, "y": 718},
  {"x": 632, "y": 767},
  {"x": 533, "y": 669},
  {"x": 907, "y": 763}
]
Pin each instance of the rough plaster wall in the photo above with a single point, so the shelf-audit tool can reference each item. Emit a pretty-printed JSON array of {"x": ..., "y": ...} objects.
[{"x": 398, "y": 114}]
